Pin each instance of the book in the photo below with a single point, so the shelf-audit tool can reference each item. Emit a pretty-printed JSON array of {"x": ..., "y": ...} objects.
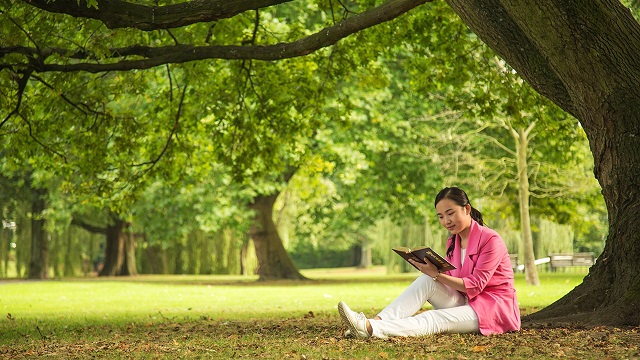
[{"x": 422, "y": 252}]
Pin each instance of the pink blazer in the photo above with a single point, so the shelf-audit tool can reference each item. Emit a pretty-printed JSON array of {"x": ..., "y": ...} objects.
[{"x": 488, "y": 277}]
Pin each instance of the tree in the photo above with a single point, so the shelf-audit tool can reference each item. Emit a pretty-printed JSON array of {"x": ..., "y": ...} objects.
[
  {"x": 521, "y": 137},
  {"x": 586, "y": 66},
  {"x": 27, "y": 186},
  {"x": 591, "y": 70},
  {"x": 39, "y": 262},
  {"x": 120, "y": 245},
  {"x": 273, "y": 260}
]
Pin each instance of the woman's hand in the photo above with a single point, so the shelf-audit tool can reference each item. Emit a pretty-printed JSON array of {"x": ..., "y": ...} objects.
[
  {"x": 432, "y": 271},
  {"x": 427, "y": 268}
]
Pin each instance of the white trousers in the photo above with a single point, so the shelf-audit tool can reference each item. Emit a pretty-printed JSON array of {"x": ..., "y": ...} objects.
[{"x": 451, "y": 312}]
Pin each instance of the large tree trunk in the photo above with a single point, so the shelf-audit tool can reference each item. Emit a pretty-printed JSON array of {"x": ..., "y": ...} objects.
[
  {"x": 273, "y": 260},
  {"x": 119, "y": 257},
  {"x": 39, "y": 263},
  {"x": 584, "y": 56}
]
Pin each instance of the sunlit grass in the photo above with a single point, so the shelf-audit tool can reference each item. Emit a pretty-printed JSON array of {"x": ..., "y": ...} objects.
[
  {"x": 157, "y": 298},
  {"x": 552, "y": 287}
]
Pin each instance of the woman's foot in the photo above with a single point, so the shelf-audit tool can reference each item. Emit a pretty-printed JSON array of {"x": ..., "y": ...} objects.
[{"x": 357, "y": 323}]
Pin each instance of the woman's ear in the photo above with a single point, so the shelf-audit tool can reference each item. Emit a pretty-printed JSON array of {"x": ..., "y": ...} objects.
[{"x": 467, "y": 209}]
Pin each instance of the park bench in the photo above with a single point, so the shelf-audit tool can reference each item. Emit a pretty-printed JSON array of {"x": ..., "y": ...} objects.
[
  {"x": 519, "y": 267},
  {"x": 557, "y": 260},
  {"x": 514, "y": 261}
]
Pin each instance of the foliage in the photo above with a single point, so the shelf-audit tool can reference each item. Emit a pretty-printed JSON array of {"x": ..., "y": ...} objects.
[
  {"x": 435, "y": 111},
  {"x": 306, "y": 256},
  {"x": 117, "y": 130},
  {"x": 372, "y": 128}
]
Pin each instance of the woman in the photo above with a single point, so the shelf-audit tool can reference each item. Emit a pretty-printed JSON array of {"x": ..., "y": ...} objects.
[{"x": 478, "y": 296}]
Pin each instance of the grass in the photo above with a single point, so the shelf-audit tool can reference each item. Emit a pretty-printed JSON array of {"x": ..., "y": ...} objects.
[{"x": 233, "y": 316}]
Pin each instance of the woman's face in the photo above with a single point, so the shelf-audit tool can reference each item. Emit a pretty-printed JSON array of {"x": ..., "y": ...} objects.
[{"x": 453, "y": 217}]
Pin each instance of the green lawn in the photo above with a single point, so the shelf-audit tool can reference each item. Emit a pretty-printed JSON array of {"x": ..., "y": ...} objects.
[
  {"x": 219, "y": 316},
  {"x": 145, "y": 298}
]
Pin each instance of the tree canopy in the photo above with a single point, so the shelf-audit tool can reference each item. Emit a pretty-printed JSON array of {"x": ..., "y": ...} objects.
[{"x": 87, "y": 55}]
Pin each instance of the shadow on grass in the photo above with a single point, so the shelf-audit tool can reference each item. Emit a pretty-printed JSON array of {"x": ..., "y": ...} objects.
[{"x": 314, "y": 337}]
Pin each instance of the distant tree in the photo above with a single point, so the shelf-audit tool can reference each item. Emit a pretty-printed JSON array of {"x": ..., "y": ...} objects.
[{"x": 120, "y": 259}]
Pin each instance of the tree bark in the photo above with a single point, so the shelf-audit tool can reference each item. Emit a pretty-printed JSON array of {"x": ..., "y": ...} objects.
[
  {"x": 274, "y": 262},
  {"x": 365, "y": 254},
  {"x": 130, "y": 267},
  {"x": 119, "y": 257},
  {"x": 585, "y": 57},
  {"x": 127, "y": 14},
  {"x": 114, "y": 250},
  {"x": 39, "y": 263}
]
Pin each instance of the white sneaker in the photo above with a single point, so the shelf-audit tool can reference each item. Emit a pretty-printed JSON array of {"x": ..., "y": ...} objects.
[{"x": 356, "y": 322}]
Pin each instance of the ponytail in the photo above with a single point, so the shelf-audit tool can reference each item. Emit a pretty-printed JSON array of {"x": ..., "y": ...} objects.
[{"x": 477, "y": 216}]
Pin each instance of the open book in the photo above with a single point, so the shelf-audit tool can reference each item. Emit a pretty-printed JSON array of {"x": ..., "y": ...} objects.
[{"x": 422, "y": 252}]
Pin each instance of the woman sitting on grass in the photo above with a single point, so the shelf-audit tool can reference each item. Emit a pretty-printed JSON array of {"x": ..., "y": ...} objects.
[{"x": 478, "y": 296}]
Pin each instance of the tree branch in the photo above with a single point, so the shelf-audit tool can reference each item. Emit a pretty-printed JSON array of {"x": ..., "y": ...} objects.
[
  {"x": 498, "y": 143},
  {"x": 32, "y": 135},
  {"x": 176, "y": 123},
  {"x": 22, "y": 84},
  {"x": 90, "y": 228},
  {"x": 124, "y": 14},
  {"x": 155, "y": 56},
  {"x": 78, "y": 106}
]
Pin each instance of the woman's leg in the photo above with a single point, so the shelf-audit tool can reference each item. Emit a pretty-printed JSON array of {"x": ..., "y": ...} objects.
[
  {"x": 460, "y": 319},
  {"x": 422, "y": 290},
  {"x": 451, "y": 314}
]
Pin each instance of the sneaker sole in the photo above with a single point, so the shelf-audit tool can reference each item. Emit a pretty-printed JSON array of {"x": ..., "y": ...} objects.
[{"x": 347, "y": 320}]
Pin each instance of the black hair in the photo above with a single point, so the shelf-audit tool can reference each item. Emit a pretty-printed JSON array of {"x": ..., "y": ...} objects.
[{"x": 459, "y": 197}]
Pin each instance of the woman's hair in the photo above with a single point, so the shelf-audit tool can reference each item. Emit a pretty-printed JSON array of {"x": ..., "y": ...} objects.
[{"x": 459, "y": 197}]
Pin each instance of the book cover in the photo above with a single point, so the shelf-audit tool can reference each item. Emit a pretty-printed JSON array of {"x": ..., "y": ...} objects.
[{"x": 422, "y": 252}]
